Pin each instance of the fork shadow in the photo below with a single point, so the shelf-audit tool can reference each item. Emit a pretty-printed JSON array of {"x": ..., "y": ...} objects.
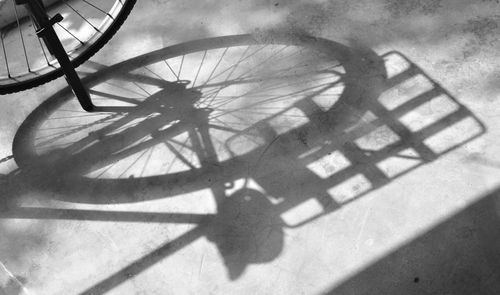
[{"x": 391, "y": 118}]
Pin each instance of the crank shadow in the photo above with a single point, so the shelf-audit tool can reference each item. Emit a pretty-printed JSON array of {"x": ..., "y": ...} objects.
[{"x": 316, "y": 134}]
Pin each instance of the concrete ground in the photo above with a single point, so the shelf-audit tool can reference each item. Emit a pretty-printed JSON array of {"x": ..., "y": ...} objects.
[{"x": 386, "y": 183}]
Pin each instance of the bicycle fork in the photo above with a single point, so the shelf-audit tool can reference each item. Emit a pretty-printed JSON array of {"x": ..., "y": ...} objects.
[{"x": 45, "y": 31}]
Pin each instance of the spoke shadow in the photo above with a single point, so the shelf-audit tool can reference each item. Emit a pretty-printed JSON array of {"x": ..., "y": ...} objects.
[{"x": 389, "y": 119}]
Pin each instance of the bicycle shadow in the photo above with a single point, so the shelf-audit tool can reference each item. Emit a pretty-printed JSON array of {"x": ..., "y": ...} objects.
[{"x": 392, "y": 119}]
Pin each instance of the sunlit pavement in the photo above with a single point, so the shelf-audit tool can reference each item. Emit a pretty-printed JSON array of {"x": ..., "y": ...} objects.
[{"x": 399, "y": 196}]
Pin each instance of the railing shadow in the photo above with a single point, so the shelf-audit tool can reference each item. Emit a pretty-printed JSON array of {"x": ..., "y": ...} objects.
[{"x": 270, "y": 166}]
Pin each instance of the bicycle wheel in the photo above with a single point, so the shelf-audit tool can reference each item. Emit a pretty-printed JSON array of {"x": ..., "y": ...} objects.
[
  {"x": 194, "y": 114},
  {"x": 88, "y": 25}
]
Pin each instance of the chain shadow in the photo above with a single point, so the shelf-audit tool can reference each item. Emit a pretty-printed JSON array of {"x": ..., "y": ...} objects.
[{"x": 368, "y": 138}]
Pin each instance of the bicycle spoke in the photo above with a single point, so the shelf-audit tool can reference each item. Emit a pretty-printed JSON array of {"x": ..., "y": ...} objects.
[
  {"x": 21, "y": 35},
  {"x": 173, "y": 72},
  {"x": 43, "y": 51},
  {"x": 71, "y": 34},
  {"x": 80, "y": 15},
  {"x": 179, "y": 155},
  {"x": 142, "y": 88},
  {"x": 106, "y": 169},
  {"x": 145, "y": 165},
  {"x": 134, "y": 162},
  {"x": 75, "y": 117},
  {"x": 233, "y": 69},
  {"x": 180, "y": 67},
  {"x": 101, "y": 10},
  {"x": 199, "y": 69},
  {"x": 149, "y": 70},
  {"x": 243, "y": 57},
  {"x": 114, "y": 97},
  {"x": 131, "y": 77},
  {"x": 5, "y": 55},
  {"x": 215, "y": 67},
  {"x": 126, "y": 89}
]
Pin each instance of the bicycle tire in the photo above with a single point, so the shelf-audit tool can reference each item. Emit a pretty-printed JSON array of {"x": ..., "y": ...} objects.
[
  {"x": 28, "y": 153},
  {"x": 45, "y": 75}
]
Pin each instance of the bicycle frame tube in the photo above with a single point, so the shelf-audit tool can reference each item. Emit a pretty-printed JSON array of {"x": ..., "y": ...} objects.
[{"x": 45, "y": 31}]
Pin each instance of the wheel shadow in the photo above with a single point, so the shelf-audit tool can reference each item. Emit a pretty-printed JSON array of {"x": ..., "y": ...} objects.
[{"x": 389, "y": 119}]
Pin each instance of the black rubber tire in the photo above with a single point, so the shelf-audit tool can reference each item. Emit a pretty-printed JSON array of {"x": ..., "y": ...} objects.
[{"x": 77, "y": 61}]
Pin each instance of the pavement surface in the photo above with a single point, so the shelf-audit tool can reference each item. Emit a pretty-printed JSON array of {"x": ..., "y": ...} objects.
[{"x": 363, "y": 161}]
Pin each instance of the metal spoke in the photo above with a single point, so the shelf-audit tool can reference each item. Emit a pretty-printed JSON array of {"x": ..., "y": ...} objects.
[
  {"x": 71, "y": 34},
  {"x": 41, "y": 45},
  {"x": 5, "y": 55},
  {"x": 216, "y": 66},
  {"x": 21, "y": 35},
  {"x": 199, "y": 69},
  {"x": 93, "y": 5},
  {"x": 173, "y": 72},
  {"x": 80, "y": 15},
  {"x": 180, "y": 67}
]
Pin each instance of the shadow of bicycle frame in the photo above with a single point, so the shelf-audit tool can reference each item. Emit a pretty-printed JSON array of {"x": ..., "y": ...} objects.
[{"x": 392, "y": 119}]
